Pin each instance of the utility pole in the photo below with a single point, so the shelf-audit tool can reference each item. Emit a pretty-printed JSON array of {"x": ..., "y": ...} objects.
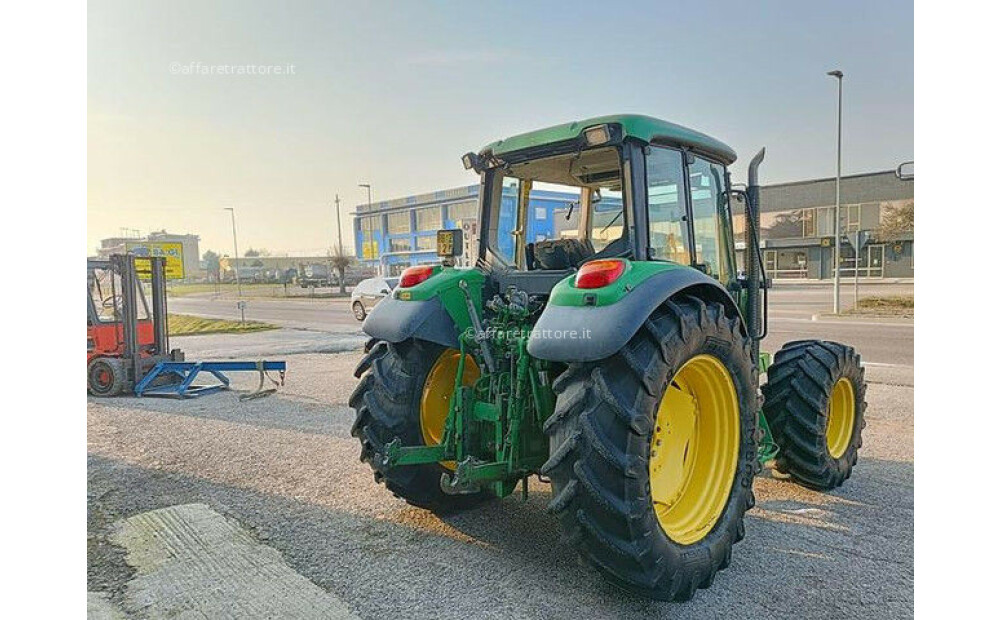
[
  {"x": 836, "y": 223},
  {"x": 236, "y": 252},
  {"x": 340, "y": 239}
]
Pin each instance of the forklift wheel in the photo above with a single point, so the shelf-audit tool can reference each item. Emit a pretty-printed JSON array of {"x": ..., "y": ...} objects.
[{"x": 105, "y": 376}]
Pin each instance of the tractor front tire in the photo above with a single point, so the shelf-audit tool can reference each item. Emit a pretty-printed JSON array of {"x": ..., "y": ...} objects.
[
  {"x": 106, "y": 377},
  {"x": 814, "y": 403},
  {"x": 653, "y": 451},
  {"x": 387, "y": 404},
  {"x": 359, "y": 310}
]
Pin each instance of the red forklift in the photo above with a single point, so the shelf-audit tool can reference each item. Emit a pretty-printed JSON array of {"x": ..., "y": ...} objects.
[{"x": 128, "y": 349}]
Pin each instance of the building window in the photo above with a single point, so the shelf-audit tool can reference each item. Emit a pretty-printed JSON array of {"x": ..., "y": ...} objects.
[
  {"x": 824, "y": 221},
  {"x": 787, "y": 224},
  {"x": 370, "y": 225},
  {"x": 429, "y": 218},
  {"x": 427, "y": 242},
  {"x": 400, "y": 245},
  {"x": 399, "y": 222},
  {"x": 463, "y": 210},
  {"x": 850, "y": 217},
  {"x": 809, "y": 223}
]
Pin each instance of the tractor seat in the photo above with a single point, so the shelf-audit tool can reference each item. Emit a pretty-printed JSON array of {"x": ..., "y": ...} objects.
[{"x": 560, "y": 253}]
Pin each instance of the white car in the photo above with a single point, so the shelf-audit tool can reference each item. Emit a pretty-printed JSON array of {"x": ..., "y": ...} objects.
[{"x": 368, "y": 293}]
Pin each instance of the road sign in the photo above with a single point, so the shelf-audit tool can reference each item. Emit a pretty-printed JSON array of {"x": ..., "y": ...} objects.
[
  {"x": 859, "y": 240},
  {"x": 172, "y": 251}
]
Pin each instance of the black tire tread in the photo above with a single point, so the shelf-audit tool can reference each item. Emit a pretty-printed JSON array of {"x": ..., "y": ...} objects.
[
  {"x": 796, "y": 396},
  {"x": 119, "y": 382},
  {"x": 599, "y": 436},
  {"x": 387, "y": 404}
]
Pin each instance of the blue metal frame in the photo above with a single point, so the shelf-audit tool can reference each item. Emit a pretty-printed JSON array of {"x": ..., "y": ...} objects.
[{"x": 186, "y": 372}]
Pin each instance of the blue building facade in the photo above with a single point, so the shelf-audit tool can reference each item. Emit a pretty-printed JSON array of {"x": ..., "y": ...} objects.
[{"x": 398, "y": 233}]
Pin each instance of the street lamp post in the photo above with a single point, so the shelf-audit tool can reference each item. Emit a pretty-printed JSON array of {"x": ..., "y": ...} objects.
[
  {"x": 371, "y": 228},
  {"x": 836, "y": 222},
  {"x": 236, "y": 254}
]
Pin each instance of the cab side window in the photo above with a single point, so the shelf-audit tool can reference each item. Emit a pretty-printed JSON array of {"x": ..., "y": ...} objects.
[
  {"x": 710, "y": 210},
  {"x": 666, "y": 198}
]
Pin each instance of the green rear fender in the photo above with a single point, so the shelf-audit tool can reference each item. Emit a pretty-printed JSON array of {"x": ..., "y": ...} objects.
[
  {"x": 580, "y": 325},
  {"x": 434, "y": 310}
]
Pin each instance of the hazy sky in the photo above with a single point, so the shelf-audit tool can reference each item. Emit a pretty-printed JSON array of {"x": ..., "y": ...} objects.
[{"x": 393, "y": 94}]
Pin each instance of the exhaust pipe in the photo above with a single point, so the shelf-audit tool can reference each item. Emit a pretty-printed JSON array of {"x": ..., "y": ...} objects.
[{"x": 752, "y": 256}]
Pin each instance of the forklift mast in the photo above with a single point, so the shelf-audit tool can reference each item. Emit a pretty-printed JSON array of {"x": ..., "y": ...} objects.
[{"x": 129, "y": 268}]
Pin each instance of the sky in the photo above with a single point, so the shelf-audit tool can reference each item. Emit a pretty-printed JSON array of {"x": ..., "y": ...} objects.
[{"x": 392, "y": 94}]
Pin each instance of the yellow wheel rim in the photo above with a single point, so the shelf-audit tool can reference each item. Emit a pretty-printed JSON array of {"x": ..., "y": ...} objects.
[
  {"x": 840, "y": 418},
  {"x": 436, "y": 398},
  {"x": 695, "y": 449}
]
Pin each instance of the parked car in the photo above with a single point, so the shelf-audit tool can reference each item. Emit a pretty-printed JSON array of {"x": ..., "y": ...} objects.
[{"x": 368, "y": 293}]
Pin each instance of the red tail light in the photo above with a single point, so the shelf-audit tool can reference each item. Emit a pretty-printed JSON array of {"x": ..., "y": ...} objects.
[
  {"x": 413, "y": 276},
  {"x": 598, "y": 273}
]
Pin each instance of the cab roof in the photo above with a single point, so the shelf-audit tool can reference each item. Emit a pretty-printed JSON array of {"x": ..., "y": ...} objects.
[{"x": 645, "y": 128}]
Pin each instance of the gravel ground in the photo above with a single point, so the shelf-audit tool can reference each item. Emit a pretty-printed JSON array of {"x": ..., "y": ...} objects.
[{"x": 286, "y": 469}]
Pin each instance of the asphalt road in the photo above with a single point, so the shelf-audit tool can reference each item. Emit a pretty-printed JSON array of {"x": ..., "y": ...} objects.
[{"x": 796, "y": 311}]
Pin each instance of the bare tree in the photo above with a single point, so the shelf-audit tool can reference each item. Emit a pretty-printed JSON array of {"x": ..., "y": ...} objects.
[
  {"x": 340, "y": 261},
  {"x": 212, "y": 265},
  {"x": 896, "y": 221}
]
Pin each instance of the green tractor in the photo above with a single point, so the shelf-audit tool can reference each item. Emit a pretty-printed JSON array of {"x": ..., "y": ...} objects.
[{"x": 616, "y": 356}]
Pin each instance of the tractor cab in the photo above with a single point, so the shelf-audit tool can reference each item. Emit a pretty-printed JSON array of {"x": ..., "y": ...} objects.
[{"x": 648, "y": 190}]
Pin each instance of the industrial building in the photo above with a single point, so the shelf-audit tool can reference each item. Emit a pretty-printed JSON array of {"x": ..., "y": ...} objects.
[
  {"x": 396, "y": 234},
  {"x": 796, "y": 226},
  {"x": 188, "y": 243}
]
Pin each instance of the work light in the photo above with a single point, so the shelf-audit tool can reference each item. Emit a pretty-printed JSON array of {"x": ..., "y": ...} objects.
[{"x": 598, "y": 134}]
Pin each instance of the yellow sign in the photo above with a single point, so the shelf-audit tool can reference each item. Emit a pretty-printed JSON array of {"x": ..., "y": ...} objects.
[
  {"x": 449, "y": 242},
  {"x": 173, "y": 252},
  {"x": 369, "y": 250}
]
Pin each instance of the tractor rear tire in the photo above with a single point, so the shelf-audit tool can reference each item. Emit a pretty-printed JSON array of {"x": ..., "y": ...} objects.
[
  {"x": 814, "y": 403},
  {"x": 604, "y": 433},
  {"x": 106, "y": 377},
  {"x": 387, "y": 404}
]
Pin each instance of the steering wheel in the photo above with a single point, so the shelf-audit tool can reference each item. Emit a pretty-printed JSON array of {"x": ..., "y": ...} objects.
[{"x": 111, "y": 301}]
